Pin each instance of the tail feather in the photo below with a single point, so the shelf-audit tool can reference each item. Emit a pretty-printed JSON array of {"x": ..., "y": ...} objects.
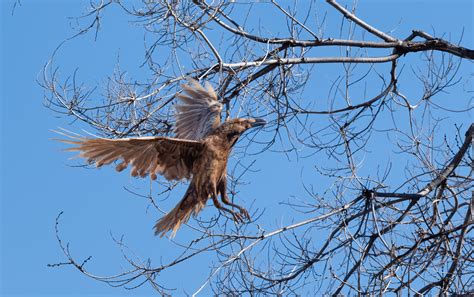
[{"x": 189, "y": 205}]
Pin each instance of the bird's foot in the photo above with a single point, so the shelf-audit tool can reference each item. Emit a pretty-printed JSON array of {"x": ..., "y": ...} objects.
[
  {"x": 244, "y": 213},
  {"x": 238, "y": 218},
  {"x": 241, "y": 216}
]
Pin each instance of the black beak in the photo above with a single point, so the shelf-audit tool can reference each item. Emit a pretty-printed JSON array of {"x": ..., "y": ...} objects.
[{"x": 258, "y": 123}]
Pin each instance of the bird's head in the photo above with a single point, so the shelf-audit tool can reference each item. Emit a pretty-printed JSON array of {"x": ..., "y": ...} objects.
[{"x": 234, "y": 128}]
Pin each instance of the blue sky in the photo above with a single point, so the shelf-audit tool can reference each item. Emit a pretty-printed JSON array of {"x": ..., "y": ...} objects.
[{"x": 37, "y": 180}]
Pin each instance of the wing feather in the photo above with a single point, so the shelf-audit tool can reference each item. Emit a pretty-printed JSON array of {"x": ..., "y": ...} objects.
[
  {"x": 199, "y": 111},
  {"x": 173, "y": 158}
]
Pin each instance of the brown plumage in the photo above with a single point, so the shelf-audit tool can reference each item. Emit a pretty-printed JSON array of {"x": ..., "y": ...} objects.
[{"x": 199, "y": 152}]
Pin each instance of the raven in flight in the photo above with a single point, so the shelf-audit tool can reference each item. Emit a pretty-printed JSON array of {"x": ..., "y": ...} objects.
[{"x": 199, "y": 152}]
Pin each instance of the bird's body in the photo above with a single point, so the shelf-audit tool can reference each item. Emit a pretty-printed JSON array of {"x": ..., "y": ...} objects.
[
  {"x": 209, "y": 171},
  {"x": 199, "y": 152}
]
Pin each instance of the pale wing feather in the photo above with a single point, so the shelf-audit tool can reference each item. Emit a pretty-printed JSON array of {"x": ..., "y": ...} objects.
[
  {"x": 199, "y": 111},
  {"x": 173, "y": 158}
]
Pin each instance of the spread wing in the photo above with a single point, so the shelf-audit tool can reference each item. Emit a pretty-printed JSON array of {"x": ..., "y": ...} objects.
[
  {"x": 199, "y": 111},
  {"x": 173, "y": 158}
]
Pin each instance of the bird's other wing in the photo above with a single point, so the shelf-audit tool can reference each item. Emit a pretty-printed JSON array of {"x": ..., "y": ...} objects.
[
  {"x": 173, "y": 158},
  {"x": 199, "y": 111}
]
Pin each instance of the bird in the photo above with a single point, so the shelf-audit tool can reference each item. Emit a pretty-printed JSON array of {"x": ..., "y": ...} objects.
[{"x": 199, "y": 153}]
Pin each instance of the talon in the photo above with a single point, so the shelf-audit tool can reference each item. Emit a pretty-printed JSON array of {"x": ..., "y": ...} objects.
[
  {"x": 237, "y": 217},
  {"x": 244, "y": 213}
]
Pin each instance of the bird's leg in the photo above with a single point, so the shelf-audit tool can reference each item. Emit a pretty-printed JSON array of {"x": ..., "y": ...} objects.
[
  {"x": 236, "y": 216},
  {"x": 223, "y": 190}
]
